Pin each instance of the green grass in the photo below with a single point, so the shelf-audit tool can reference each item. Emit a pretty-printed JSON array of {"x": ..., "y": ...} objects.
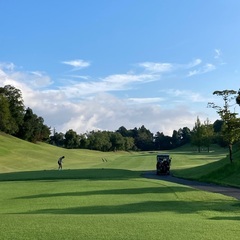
[{"x": 92, "y": 199}]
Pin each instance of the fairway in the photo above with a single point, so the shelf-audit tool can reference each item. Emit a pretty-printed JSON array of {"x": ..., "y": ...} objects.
[{"x": 96, "y": 199}]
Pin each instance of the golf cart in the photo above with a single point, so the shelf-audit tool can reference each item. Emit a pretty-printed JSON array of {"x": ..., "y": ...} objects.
[{"x": 163, "y": 164}]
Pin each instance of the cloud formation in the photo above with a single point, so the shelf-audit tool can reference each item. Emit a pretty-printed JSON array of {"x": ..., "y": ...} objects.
[
  {"x": 156, "y": 67},
  {"x": 77, "y": 64},
  {"x": 86, "y": 103},
  {"x": 201, "y": 70}
]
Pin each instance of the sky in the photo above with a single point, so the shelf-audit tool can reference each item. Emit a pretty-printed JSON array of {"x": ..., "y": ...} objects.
[{"x": 99, "y": 65}]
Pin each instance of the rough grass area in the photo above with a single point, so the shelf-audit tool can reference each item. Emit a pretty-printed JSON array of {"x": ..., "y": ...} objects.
[{"x": 104, "y": 196}]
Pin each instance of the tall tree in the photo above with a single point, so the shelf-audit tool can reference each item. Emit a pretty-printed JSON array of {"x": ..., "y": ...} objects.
[
  {"x": 33, "y": 128},
  {"x": 16, "y": 106},
  {"x": 176, "y": 138},
  {"x": 207, "y": 134},
  {"x": 231, "y": 124},
  {"x": 117, "y": 141},
  {"x": 186, "y": 135},
  {"x": 5, "y": 116},
  {"x": 197, "y": 135},
  {"x": 162, "y": 142},
  {"x": 144, "y": 139},
  {"x": 57, "y": 139},
  {"x": 72, "y": 140}
]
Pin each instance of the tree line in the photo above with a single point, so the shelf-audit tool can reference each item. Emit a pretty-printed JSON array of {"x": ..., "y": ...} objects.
[
  {"x": 141, "y": 139},
  {"x": 19, "y": 121}
]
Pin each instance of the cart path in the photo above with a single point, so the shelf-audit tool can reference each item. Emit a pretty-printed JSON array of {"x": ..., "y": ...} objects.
[{"x": 210, "y": 187}]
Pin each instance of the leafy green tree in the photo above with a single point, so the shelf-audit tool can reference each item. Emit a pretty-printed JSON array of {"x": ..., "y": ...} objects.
[
  {"x": 185, "y": 135},
  {"x": 208, "y": 134},
  {"x": 100, "y": 141},
  {"x": 144, "y": 139},
  {"x": 5, "y": 115},
  {"x": 123, "y": 131},
  {"x": 57, "y": 139},
  {"x": 217, "y": 129},
  {"x": 33, "y": 128},
  {"x": 197, "y": 135},
  {"x": 26, "y": 131},
  {"x": 129, "y": 144},
  {"x": 162, "y": 142},
  {"x": 16, "y": 106},
  {"x": 231, "y": 124},
  {"x": 72, "y": 140},
  {"x": 176, "y": 138},
  {"x": 117, "y": 141}
]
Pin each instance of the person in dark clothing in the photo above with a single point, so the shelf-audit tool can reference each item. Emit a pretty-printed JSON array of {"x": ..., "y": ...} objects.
[{"x": 60, "y": 161}]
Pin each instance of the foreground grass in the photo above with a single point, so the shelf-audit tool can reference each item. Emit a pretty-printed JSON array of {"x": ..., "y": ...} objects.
[
  {"x": 96, "y": 199},
  {"x": 130, "y": 208}
]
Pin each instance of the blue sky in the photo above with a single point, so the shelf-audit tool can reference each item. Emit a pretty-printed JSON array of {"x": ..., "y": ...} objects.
[{"x": 89, "y": 64}]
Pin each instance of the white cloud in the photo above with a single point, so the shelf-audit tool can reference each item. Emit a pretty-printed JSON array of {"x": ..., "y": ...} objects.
[
  {"x": 77, "y": 64},
  {"x": 117, "y": 82},
  {"x": 87, "y": 105},
  {"x": 186, "y": 96},
  {"x": 105, "y": 111},
  {"x": 33, "y": 79},
  {"x": 146, "y": 100},
  {"x": 205, "y": 69},
  {"x": 194, "y": 63},
  {"x": 7, "y": 66},
  {"x": 218, "y": 53},
  {"x": 156, "y": 67}
]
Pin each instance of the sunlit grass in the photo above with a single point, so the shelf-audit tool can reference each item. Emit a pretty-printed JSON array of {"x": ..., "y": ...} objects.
[{"x": 105, "y": 196}]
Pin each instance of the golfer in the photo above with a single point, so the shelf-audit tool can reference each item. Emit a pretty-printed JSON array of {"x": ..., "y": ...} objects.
[{"x": 60, "y": 161}]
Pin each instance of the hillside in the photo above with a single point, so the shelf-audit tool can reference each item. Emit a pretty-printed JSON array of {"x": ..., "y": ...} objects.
[
  {"x": 19, "y": 156},
  {"x": 219, "y": 171}
]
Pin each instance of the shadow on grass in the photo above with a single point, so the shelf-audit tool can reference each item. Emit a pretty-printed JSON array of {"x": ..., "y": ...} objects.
[
  {"x": 233, "y": 218},
  {"x": 87, "y": 174},
  {"x": 128, "y": 191},
  {"x": 180, "y": 207}
]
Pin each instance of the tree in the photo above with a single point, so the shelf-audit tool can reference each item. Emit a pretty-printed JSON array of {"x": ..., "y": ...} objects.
[
  {"x": 144, "y": 139},
  {"x": 207, "y": 134},
  {"x": 231, "y": 124},
  {"x": 57, "y": 139},
  {"x": 129, "y": 143},
  {"x": 186, "y": 135},
  {"x": 197, "y": 135},
  {"x": 217, "y": 128},
  {"x": 117, "y": 141},
  {"x": 5, "y": 116},
  {"x": 123, "y": 131},
  {"x": 99, "y": 141},
  {"x": 162, "y": 142},
  {"x": 176, "y": 138},
  {"x": 16, "y": 106},
  {"x": 33, "y": 128},
  {"x": 72, "y": 140}
]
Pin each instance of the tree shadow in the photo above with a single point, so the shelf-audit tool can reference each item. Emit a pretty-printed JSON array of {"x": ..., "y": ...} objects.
[
  {"x": 128, "y": 191},
  {"x": 179, "y": 207},
  {"x": 233, "y": 218},
  {"x": 87, "y": 174}
]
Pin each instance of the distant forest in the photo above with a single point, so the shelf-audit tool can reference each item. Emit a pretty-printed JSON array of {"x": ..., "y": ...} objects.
[{"x": 22, "y": 122}]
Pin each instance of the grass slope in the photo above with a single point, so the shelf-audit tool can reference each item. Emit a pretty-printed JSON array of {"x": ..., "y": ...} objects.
[
  {"x": 96, "y": 199},
  {"x": 213, "y": 167}
]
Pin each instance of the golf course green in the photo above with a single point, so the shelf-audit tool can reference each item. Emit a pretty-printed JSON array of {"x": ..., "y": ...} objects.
[{"x": 104, "y": 195}]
